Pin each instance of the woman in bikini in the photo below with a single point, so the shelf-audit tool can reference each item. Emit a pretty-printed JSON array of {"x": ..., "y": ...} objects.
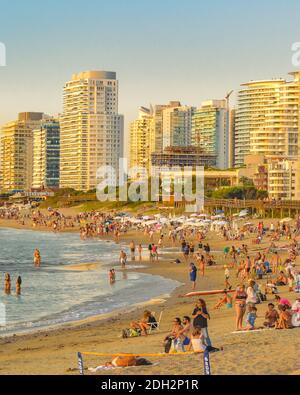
[{"x": 239, "y": 298}]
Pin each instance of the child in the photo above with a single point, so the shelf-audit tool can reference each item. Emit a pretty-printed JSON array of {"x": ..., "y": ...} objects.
[
  {"x": 251, "y": 318},
  {"x": 290, "y": 283},
  {"x": 227, "y": 276}
]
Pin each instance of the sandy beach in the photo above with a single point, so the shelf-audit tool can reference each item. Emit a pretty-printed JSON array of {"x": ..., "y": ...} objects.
[{"x": 53, "y": 351}]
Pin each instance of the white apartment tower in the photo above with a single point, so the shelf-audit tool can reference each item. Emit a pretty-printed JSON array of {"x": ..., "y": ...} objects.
[
  {"x": 267, "y": 119},
  {"x": 91, "y": 129}
]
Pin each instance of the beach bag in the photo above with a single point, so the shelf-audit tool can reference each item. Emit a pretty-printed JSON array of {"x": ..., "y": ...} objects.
[
  {"x": 129, "y": 332},
  {"x": 168, "y": 344}
]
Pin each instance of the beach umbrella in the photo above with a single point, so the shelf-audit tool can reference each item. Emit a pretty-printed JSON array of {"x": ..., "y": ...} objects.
[
  {"x": 286, "y": 220},
  {"x": 152, "y": 222}
]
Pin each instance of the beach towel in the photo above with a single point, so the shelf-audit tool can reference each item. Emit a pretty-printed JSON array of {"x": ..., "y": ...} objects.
[{"x": 103, "y": 367}]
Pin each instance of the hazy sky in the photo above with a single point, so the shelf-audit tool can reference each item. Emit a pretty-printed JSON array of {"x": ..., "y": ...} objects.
[{"x": 162, "y": 50}]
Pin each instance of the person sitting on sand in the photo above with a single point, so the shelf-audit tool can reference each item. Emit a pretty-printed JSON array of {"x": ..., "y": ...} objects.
[
  {"x": 285, "y": 318},
  {"x": 7, "y": 284},
  {"x": 126, "y": 361},
  {"x": 175, "y": 332},
  {"x": 146, "y": 322},
  {"x": 183, "y": 335},
  {"x": 281, "y": 280},
  {"x": 225, "y": 300},
  {"x": 271, "y": 316},
  {"x": 197, "y": 342}
]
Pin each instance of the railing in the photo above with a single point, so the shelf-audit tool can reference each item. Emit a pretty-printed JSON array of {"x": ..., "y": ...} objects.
[{"x": 257, "y": 204}]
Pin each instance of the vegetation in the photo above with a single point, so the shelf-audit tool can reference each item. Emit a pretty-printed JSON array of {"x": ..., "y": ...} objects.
[{"x": 240, "y": 192}]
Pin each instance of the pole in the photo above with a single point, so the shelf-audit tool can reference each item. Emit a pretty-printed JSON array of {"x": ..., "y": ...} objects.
[
  {"x": 80, "y": 363},
  {"x": 207, "y": 369}
]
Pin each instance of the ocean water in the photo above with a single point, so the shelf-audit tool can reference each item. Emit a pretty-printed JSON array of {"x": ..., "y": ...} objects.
[{"x": 52, "y": 295}]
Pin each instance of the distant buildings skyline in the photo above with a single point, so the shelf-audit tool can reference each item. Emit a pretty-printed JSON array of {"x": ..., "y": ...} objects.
[{"x": 39, "y": 151}]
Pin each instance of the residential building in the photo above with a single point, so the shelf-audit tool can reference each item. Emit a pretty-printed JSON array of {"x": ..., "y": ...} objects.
[
  {"x": 141, "y": 144},
  {"x": 283, "y": 180},
  {"x": 211, "y": 130},
  {"x": 91, "y": 130},
  {"x": 46, "y": 153},
  {"x": 177, "y": 125},
  {"x": 16, "y": 152},
  {"x": 267, "y": 119}
]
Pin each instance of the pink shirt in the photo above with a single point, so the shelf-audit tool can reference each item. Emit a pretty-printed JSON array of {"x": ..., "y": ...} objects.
[{"x": 284, "y": 301}]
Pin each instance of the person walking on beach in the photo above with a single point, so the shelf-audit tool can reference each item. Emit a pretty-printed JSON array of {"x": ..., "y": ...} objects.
[
  {"x": 18, "y": 285},
  {"x": 239, "y": 298},
  {"x": 154, "y": 252},
  {"x": 201, "y": 262},
  {"x": 140, "y": 251},
  {"x": 227, "y": 277},
  {"x": 7, "y": 284},
  {"x": 201, "y": 317},
  {"x": 37, "y": 258},
  {"x": 123, "y": 258},
  {"x": 132, "y": 250},
  {"x": 193, "y": 275}
]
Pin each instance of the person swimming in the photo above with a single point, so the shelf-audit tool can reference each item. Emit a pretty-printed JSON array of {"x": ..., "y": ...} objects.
[
  {"x": 112, "y": 276},
  {"x": 7, "y": 284},
  {"x": 37, "y": 258},
  {"x": 18, "y": 285}
]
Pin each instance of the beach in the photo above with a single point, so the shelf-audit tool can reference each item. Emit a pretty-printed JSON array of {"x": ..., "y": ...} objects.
[{"x": 53, "y": 351}]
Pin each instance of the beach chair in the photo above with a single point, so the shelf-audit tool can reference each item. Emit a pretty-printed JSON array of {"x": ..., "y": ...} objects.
[{"x": 155, "y": 326}]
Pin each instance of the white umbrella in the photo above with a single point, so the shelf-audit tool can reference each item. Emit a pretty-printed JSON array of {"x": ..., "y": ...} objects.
[
  {"x": 286, "y": 220},
  {"x": 152, "y": 222}
]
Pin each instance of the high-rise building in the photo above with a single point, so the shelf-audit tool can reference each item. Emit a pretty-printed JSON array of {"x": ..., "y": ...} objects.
[
  {"x": 141, "y": 144},
  {"x": 91, "y": 129},
  {"x": 16, "y": 151},
  {"x": 210, "y": 130},
  {"x": 46, "y": 152},
  {"x": 267, "y": 119},
  {"x": 177, "y": 125}
]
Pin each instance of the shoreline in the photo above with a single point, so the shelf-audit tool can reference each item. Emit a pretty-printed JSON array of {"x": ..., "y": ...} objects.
[{"x": 92, "y": 266}]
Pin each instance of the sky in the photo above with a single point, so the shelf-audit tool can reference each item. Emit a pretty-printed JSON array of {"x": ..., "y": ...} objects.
[{"x": 162, "y": 50}]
